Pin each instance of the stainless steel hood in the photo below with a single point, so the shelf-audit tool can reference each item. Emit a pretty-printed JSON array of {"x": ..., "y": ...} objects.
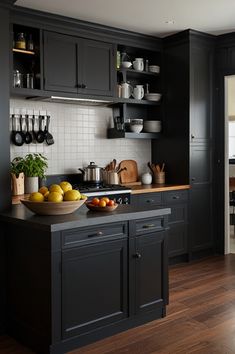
[{"x": 74, "y": 100}]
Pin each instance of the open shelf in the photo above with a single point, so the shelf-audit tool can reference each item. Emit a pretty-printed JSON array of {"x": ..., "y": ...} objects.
[
  {"x": 136, "y": 72},
  {"x": 118, "y": 134},
  {"x": 134, "y": 101},
  {"x": 23, "y": 51}
]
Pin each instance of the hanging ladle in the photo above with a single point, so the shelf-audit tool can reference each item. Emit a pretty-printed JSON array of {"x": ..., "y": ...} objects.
[
  {"x": 40, "y": 134},
  {"x": 28, "y": 137},
  {"x": 48, "y": 136},
  {"x": 17, "y": 136}
]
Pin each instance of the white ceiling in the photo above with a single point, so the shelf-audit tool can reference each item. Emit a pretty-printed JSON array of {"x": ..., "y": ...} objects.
[{"x": 146, "y": 16}]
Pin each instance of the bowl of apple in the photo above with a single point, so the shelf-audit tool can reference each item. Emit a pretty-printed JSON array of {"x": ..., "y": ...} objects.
[{"x": 103, "y": 204}]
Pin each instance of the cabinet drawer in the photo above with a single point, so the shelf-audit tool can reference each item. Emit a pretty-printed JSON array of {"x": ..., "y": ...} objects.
[
  {"x": 149, "y": 225},
  {"x": 148, "y": 199},
  {"x": 71, "y": 238},
  {"x": 175, "y": 197}
]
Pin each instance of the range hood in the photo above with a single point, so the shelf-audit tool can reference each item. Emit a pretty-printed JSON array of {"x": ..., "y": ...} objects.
[{"x": 74, "y": 100}]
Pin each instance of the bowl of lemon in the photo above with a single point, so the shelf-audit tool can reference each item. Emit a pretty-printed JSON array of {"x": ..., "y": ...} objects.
[{"x": 58, "y": 199}]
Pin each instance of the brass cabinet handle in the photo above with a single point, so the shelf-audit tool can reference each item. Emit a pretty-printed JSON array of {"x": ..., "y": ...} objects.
[
  {"x": 175, "y": 197},
  {"x": 148, "y": 226},
  {"x": 150, "y": 201}
]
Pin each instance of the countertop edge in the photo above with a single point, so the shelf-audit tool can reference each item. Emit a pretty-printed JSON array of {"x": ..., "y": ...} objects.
[{"x": 155, "y": 188}]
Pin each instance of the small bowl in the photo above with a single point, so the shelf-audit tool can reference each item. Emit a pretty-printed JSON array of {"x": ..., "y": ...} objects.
[
  {"x": 154, "y": 69},
  {"x": 136, "y": 128},
  {"x": 93, "y": 207},
  {"x": 136, "y": 121},
  {"x": 152, "y": 126},
  {"x": 126, "y": 64}
]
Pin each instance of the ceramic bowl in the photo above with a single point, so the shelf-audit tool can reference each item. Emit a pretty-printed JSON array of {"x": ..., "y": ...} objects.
[
  {"x": 136, "y": 128},
  {"x": 154, "y": 69},
  {"x": 153, "y": 96},
  {"x": 50, "y": 208}
]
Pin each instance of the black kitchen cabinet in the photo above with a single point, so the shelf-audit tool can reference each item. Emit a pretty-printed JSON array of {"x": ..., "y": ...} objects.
[
  {"x": 177, "y": 201},
  {"x": 151, "y": 271},
  {"x": 178, "y": 222},
  {"x": 84, "y": 282},
  {"x": 76, "y": 65},
  {"x": 188, "y": 139},
  {"x": 94, "y": 286},
  {"x": 61, "y": 59},
  {"x": 200, "y": 227}
]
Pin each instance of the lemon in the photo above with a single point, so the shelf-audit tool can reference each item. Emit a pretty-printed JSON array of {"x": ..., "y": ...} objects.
[
  {"x": 66, "y": 186},
  {"x": 43, "y": 190},
  {"x": 46, "y": 195},
  {"x": 56, "y": 188},
  {"x": 72, "y": 195},
  {"x": 83, "y": 196},
  {"x": 55, "y": 197},
  {"x": 36, "y": 197}
]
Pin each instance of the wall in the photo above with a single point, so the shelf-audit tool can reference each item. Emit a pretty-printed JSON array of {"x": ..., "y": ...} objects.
[{"x": 80, "y": 137}]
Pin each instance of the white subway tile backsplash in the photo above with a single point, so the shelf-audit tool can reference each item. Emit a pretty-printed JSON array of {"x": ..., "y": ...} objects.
[{"x": 80, "y": 137}]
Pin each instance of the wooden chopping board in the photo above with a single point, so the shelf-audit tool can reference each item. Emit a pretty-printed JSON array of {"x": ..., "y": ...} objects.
[{"x": 131, "y": 173}]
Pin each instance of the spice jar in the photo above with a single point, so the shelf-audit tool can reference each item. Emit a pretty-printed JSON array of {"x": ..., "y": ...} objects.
[{"x": 20, "y": 41}]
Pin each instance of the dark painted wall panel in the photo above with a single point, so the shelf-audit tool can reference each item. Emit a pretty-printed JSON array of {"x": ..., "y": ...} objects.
[{"x": 5, "y": 198}]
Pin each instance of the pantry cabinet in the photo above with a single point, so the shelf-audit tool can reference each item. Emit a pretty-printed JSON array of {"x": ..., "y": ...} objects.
[{"x": 77, "y": 65}]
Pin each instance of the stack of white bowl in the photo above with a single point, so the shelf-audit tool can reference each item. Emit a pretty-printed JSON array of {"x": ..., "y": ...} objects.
[
  {"x": 136, "y": 125},
  {"x": 152, "y": 126},
  {"x": 154, "y": 69}
]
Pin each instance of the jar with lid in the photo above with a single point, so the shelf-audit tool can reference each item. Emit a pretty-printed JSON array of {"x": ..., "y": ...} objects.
[
  {"x": 20, "y": 41},
  {"x": 30, "y": 43}
]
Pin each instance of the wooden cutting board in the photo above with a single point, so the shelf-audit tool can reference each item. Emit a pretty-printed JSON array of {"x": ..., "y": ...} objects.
[{"x": 131, "y": 173}]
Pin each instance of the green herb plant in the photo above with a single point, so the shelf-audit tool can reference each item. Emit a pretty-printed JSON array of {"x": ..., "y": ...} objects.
[
  {"x": 17, "y": 166},
  {"x": 35, "y": 165}
]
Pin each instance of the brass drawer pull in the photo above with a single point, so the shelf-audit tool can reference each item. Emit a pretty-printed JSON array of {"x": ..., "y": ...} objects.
[
  {"x": 148, "y": 226},
  {"x": 137, "y": 255},
  {"x": 150, "y": 201},
  {"x": 175, "y": 197},
  {"x": 98, "y": 233}
]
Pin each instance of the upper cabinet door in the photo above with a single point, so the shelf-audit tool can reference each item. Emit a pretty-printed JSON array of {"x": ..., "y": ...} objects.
[
  {"x": 60, "y": 62},
  {"x": 97, "y": 68},
  {"x": 201, "y": 74}
]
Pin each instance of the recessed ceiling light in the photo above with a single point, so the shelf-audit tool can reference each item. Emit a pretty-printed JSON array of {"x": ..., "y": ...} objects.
[{"x": 170, "y": 22}]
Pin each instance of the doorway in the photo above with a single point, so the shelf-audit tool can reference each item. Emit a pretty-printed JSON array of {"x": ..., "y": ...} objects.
[{"x": 229, "y": 149}]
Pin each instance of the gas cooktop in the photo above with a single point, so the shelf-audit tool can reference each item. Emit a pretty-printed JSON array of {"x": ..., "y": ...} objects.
[{"x": 100, "y": 189}]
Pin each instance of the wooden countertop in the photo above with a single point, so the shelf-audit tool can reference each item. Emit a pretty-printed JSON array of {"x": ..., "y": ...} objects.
[
  {"x": 139, "y": 189},
  {"x": 150, "y": 188}
]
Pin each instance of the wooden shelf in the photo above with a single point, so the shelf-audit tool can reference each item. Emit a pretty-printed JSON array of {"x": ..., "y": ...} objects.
[
  {"x": 136, "y": 72},
  {"x": 23, "y": 51},
  {"x": 134, "y": 101},
  {"x": 117, "y": 134}
]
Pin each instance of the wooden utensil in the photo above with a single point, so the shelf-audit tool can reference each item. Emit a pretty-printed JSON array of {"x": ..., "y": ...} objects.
[
  {"x": 131, "y": 173},
  {"x": 150, "y": 167}
]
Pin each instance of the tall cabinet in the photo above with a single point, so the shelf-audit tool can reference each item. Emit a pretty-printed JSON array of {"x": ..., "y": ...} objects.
[{"x": 187, "y": 143}]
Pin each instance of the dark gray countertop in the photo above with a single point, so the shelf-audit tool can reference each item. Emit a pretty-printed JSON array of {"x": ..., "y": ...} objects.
[{"x": 20, "y": 215}]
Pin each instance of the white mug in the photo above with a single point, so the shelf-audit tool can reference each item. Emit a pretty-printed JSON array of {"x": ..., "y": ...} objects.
[
  {"x": 138, "y": 92},
  {"x": 138, "y": 64},
  {"x": 126, "y": 90}
]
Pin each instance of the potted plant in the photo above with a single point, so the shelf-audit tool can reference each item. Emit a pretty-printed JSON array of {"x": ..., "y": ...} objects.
[
  {"x": 17, "y": 176},
  {"x": 34, "y": 166}
]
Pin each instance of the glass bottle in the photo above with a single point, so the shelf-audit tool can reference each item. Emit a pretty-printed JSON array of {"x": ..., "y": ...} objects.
[
  {"x": 118, "y": 59},
  {"x": 30, "y": 43},
  {"x": 20, "y": 41}
]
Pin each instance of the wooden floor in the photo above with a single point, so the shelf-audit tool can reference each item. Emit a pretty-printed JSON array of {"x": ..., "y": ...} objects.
[{"x": 200, "y": 317}]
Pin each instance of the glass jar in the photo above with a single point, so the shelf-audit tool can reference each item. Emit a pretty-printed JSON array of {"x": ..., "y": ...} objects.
[
  {"x": 17, "y": 79},
  {"x": 20, "y": 41},
  {"x": 30, "y": 81},
  {"x": 30, "y": 43}
]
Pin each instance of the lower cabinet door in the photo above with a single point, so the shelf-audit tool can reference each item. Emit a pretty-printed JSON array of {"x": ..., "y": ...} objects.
[
  {"x": 151, "y": 272},
  {"x": 94, "y": 286},
  {"x": 177, "y": 239}
]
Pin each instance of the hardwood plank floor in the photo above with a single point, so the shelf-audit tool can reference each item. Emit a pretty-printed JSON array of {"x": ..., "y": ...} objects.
[{"x": 200, "y": 318}]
